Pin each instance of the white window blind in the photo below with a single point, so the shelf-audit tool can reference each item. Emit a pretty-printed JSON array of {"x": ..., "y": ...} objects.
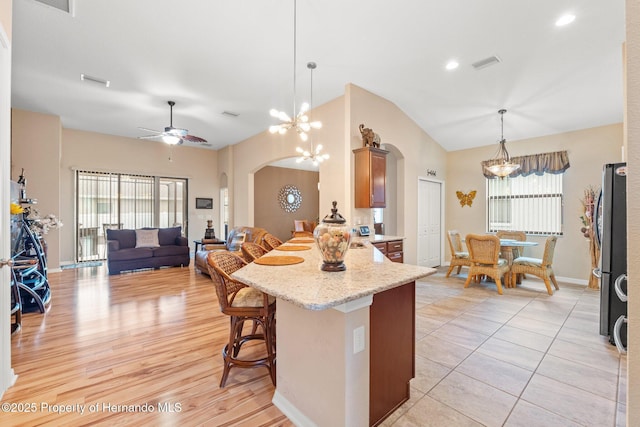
[{"x": 532, "y": 204}]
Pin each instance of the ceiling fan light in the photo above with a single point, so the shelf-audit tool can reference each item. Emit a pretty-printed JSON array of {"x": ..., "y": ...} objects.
[{"x": 170, "y": 139}]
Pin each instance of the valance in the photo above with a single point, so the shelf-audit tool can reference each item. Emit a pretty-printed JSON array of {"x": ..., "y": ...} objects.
[{"x": 556, "y": 162}]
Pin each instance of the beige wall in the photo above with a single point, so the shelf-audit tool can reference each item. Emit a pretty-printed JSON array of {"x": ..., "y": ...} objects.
[
  {"x": 35, "y": 146},
  {"x": 50, "y": 155},
  {"x": 632, "y": 120},
  {"x": 414, "y": 150},
  {"x": 269, "y": 214},
  {"x": 588, "y": 150},
  {"x": 6, "y": 7}
]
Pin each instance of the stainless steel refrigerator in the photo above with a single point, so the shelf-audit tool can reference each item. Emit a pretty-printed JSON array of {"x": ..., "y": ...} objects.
[{"x": 611, "y": 231}]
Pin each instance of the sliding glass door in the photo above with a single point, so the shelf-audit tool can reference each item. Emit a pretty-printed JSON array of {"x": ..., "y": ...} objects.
[{"x": 112, "y": 200}]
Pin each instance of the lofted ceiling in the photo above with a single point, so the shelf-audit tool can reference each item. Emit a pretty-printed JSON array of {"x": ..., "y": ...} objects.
[{"x": 236, "y": 56}]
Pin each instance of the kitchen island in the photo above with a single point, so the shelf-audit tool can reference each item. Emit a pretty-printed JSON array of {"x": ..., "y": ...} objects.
[{"x": 345, "y": 340}]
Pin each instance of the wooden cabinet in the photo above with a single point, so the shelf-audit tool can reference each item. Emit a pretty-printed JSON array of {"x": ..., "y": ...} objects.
[
  {"x": 392, "y": 249},
  {"x": 392, "y": 354},
  {"x": 370, "y": 177}
]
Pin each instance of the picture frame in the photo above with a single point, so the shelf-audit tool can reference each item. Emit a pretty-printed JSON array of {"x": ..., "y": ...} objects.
[{"x": 204, "y": 203}]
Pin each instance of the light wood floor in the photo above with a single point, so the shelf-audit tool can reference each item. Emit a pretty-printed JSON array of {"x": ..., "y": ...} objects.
[{"x": 150, "y": 338}]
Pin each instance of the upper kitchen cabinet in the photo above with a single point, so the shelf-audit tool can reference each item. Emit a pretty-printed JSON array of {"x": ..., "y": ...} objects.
[{"x": 370, "y": 177}]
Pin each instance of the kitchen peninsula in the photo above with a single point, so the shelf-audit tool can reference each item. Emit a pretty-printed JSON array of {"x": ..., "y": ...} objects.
[{"x": 345, "y": 340}]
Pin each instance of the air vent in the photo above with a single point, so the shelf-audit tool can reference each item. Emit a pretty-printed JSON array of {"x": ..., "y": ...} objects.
[
  {"x": 88, "y": 78},
  {"x": 62, "y": 5},
  {"x": 230, "y": 113},
  {"x": 484, "y": 63}
]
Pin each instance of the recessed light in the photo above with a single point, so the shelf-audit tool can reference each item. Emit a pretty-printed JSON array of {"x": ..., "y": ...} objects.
[
  {"x": 565, "y": 19},
  {"x": 452, "y": 65}
]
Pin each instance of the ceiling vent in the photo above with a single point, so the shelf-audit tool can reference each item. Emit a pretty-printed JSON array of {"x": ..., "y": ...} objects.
[
  {"x": 230, "y": 113},
  {"x": 484, "y": 63},
  {"x": 65, "y": 6},
  {"x": 88, "y": 78}
]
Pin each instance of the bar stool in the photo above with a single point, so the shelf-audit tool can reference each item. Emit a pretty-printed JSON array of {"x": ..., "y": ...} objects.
[{"x": 242, "y": 303}]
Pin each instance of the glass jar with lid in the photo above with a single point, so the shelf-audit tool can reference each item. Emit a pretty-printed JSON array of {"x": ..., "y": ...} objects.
[{"x": 332, "y": 236}]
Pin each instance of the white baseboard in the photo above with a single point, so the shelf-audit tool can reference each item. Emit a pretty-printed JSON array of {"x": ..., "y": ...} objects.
[{"x": 291, "y": 412}]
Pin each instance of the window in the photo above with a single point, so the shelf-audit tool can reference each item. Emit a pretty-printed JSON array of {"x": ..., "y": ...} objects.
[
  {"x": 113, "y": 200},
  {"x": 532, "y": 204}
]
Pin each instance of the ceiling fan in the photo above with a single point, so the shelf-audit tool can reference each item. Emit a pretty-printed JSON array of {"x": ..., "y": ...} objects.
[{"x": 171, "y": 135}]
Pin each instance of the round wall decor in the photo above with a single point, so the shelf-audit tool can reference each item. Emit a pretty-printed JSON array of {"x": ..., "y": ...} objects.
[{"x": 290, "y": 198}]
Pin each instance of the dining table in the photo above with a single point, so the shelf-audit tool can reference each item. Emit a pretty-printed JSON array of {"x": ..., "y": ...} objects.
[{"x": 507, "y": 250}]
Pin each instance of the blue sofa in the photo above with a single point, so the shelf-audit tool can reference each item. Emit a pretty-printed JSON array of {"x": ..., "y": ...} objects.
[{"x": 123, "y": 251}]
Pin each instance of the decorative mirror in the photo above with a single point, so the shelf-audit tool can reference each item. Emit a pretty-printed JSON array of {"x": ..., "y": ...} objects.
[{"x": 290, "y": 198}]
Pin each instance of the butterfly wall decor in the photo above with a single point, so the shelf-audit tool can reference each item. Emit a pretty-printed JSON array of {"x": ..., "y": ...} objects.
[{"x": 466, "y": 199}]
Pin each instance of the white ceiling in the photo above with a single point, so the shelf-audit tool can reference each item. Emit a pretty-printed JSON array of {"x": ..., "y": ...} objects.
[{"x": 237, "y": 56}]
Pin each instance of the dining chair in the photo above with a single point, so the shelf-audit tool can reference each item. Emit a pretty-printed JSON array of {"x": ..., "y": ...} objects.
[
  {"x": 459, "y": 257},
  {"x": 484, "y": 254},
  {"x": 271, "y": 242},
  {"x": 516, "y": 235},
  {"x": 252, "y": 251},
  {"x": 540, "y": 267},
  {"x": 243, "y": 303}
]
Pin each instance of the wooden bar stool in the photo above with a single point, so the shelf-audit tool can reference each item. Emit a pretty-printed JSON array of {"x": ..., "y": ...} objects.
[{"x": 242, "y": 303}]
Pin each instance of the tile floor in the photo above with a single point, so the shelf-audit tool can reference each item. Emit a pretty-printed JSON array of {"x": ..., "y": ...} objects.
[{"x": 523, "y": 358}]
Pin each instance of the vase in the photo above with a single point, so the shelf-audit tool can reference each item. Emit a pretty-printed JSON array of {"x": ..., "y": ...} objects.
[{"x": 332, "y": 237}]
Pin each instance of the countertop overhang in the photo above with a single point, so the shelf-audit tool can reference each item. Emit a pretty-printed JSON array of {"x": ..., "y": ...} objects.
[{"x": 305, "y": 285}]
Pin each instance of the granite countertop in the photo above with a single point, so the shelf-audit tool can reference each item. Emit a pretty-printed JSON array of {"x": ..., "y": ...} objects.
[
  {"x": 379, "y": 238},
  {"x": 305, "y": 285}
]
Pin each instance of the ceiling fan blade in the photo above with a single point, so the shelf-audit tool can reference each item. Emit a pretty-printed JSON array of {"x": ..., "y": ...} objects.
[
  {"x": 150, "y": 130},
  {"x": 192, "y": 138},
  {"x": 150, "y": 136}
]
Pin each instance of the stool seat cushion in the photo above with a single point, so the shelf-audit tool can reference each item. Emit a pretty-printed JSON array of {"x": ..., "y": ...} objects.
[{"x": 250, "y": 297}]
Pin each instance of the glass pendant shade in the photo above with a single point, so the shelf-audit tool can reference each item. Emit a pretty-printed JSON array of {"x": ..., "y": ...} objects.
[{"x": 502, "y": 165}]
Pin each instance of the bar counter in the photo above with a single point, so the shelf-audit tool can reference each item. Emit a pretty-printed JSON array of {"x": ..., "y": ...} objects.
[{"x": 345, "y": 340}]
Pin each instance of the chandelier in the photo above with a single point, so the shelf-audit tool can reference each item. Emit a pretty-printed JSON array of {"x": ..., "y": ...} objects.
[
  {"x": 311, "y": 154},
  {"x": 501, "y": 164},
  {"x": 299, "y": 121}
]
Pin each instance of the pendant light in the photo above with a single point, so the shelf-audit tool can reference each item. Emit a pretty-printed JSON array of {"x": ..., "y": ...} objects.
[
  {"x": 501, "y": 164},
  {"x": 312, "y": 154},
  {"x": 298, "y": 121}
]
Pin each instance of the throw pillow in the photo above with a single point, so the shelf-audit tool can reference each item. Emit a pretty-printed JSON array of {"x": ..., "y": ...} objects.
[
  {"x": 237, "y": 241},
  {"x": 147, "y": 238}
]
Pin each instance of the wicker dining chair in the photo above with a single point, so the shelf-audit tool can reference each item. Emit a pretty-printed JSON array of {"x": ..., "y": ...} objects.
[
  {"x": 271, "y": 242},
  {"x": 252, "y": 251},
  {"x": 541, "y": 267},
  {"x": 484, "y": 253},
  {"x": 459, "y": 257},
  {"x": 516, "y": 235},
  {"x": 242, "y": 303}
]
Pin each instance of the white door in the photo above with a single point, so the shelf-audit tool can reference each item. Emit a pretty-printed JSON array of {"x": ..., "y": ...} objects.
[{"x": 429, "y": 223}]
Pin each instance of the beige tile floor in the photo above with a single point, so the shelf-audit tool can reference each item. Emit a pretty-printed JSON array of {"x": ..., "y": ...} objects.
[{"x": 523, "y": 358}]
